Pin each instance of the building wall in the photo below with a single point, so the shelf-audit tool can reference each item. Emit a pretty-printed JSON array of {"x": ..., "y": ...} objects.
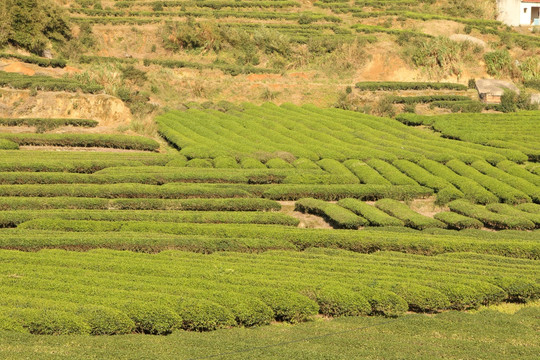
[
  {"x": 509, "y": 12},
  {"x": 525, "y": 16}
]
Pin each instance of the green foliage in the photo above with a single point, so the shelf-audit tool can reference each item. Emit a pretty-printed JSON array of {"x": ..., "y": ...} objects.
[
  {"x": 151, "y": 318},
  {"x": 134, "y": 75},
  {"x": 336, "y": 301},
  {"x": 57, "y": 63},
  {"x": 203, "y": 315},
  {"x": 43, "y": 124},
  {"x": 408, "y": 216},
  {"x": 512, "y": 102},
  {"x": 288, "y": 306},
  {"x": 50, "y": 322},
  {"x": 389, "y": 85},
  {"x": 338, "y": 216},
  {"x": 375, "y": 216},
  {"x": 46, "y": 83},
  {"x": 84, "y": 140},
  {"x": 11, "y": 219},
  {"x": 33, "y": 24},
  {"x": 106, "y": 321},
  {"x": 466, "y": 106},
  {"x": 457, "y": 221},
  {"x": 8, "y": 145},
  {"x": 439, "y": 54},
  {"x": 499, "y": 63},
  {"x": 490, "y": 219}
]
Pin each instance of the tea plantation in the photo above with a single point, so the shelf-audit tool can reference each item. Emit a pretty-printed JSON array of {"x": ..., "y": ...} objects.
[{"x": 247, "y": 180}]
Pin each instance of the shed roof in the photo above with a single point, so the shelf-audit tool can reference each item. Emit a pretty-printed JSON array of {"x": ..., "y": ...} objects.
[{"x": 494, "y": 87}]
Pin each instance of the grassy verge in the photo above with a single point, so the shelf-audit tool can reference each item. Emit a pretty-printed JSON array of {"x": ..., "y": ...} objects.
[{"x": 452, "y": 335}]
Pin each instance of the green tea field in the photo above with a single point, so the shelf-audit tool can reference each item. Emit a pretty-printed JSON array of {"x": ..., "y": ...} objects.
[{"x": 267, "y": 180}]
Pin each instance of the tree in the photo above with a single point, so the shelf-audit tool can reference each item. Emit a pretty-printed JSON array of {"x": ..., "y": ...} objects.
[{"x": 32, "y": 24}]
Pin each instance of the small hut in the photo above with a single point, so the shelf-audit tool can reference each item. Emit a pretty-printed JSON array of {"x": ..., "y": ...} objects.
[{"x": 491, "y": 90}]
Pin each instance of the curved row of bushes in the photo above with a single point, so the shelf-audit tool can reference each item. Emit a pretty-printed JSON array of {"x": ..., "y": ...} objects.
[
  {"x": 14, "y": 218},
  {"x": 155, "y": 237},
  {"x": 47, "y": 123},
  {"x": 197, "y": 204},
  {"x": 107, "y": 292},
  {"x": 46, "y": 83},
  {"x": 491, "y": 219},
  {"x": 78, "y": 162},
  {"x": 8, "y": 145},
  {"x": 84, "y": 140},
  {"x": 337, "y": 216},
  {"x": 408, "y": 216},
  {"x": 373, "y": 215},
  {"x": 313, "y": 133}
]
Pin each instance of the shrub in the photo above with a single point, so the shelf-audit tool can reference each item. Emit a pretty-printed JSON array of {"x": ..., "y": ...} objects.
[
  {"x": 460, "y": 296},
  {"x": 409, "y": 217},
  {"x": 390, "y": 85},
  {"x": 248, "y": 310},
  {"x": 278, "y": 163},
  {"x": 530, "y": 208},
  {"x": 336, "y": 215},
  {"x": 489, "y": 218},
  {"x": 32, "y": 24},
  {"x": 288, "y": 306},
  {"x": 203, "y": 315},
  {"x": 199, "y": 163},
  {"x": 337, "y": 301},
  {"x": 84, "y": 140},
  {"x": 336, "y": 192},
  {"x": 448, "y": 194},
  {"x": 178, "y": 161},
  {"x": 506, "y": 209},
  {"x": 12, "y": 325},
  {"x": 50, "y": 322},
  {"x": 420, "y": 175},
  {"x": 421, "y": 298},
  {"x": 251, "y": 163},
  {"x": 392, "y": 174},
  {"x": 43, "y": 124},
  {"x": 8, "y": 145},
  {"x": 365, "y": 173},
  {"x": 106, "y": 321},
  {"x": 383, "y": 302},
  {"x": 457, "y": 221},
  {"x": 517, "y": 289},
  {"x": 335, "y": 167},
  {"x": 375, "y": 216},
  {"x": 151, "y": 318},
  {"x": 305, "y": 164},
  {"x": 499, "y": 63},
  {"x": 225, "y": 162},
  {"x": 471, "y": 189},
  {"x": 505, "y": 192}
]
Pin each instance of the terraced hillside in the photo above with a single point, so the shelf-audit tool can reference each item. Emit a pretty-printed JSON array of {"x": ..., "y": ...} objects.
[
  {"x": 165, "y": 173},
  {"x": 224, "y": 191}
]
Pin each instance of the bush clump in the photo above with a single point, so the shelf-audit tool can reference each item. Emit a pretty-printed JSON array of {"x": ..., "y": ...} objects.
[
  {"x": 338, "y": 216},
  {"x": 289, "y": 306},
  {"x": 457, "y": 221},
  {"x": 336, "y": 301}
]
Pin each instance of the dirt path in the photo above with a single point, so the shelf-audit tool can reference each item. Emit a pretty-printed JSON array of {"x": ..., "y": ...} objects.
[
  {"x": 306, "y": 220},
  {"x": 426, "y": 207}
]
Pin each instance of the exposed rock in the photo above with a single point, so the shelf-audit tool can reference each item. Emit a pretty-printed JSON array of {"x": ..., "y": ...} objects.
[
  {"x": 472, "y": 39},
  {"x": 106, "y": 109}
]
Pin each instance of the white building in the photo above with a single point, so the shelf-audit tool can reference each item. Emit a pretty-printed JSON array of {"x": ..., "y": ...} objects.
[{"x": 519, "y": 12}]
